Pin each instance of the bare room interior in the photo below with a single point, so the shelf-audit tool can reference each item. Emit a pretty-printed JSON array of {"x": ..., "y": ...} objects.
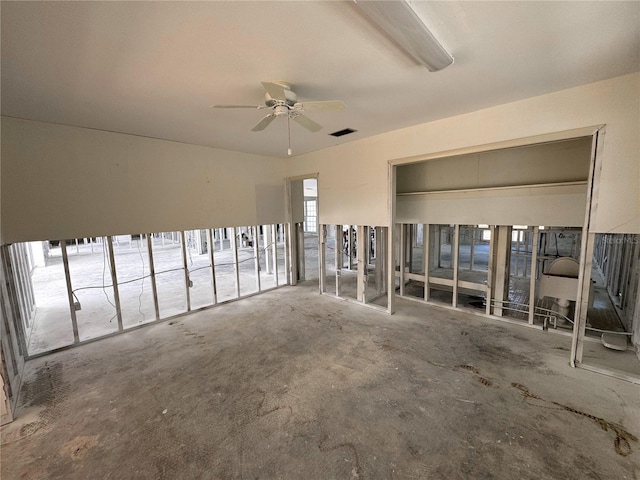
[{"x": 320, "y": 240}]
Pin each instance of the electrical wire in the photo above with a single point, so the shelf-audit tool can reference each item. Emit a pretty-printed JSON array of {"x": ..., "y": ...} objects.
[{"x": 105, "y": 286}]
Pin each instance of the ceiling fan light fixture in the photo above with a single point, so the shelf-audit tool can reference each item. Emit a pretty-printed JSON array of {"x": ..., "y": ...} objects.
[{"x": 401, "y": 23}]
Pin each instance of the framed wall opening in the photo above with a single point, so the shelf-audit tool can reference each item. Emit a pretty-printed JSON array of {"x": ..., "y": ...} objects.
[
  {"x": 70, "y": 292},
  {"x": 500, "y": 189},
  {"x": 303, "y": 201},
  {"x": 354, "y": 264}
]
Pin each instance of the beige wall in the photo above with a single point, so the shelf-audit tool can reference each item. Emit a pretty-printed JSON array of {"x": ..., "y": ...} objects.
[
  {"x": 353, "y": 177},
  {"x": 60, "y": 181},
  {"x": 557, "y": 205},
  {"x": 67, "y": 182},
  {"x": 536, "y": 164}
]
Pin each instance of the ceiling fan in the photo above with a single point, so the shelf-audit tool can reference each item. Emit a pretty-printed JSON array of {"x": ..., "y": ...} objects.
[{"x": 282, "y": 101}]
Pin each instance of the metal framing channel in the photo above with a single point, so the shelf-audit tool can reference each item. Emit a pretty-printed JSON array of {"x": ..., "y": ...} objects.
[
  {"x": 114, "y": 281},
  {"x": 380, "y": 263},
  {"x": 152, "y": 275},
  {"x": 410, "y": 234},
  {"x": 289, "y": 248},
  {"x": 67, "y": 276},
  {"x": 234, "y": 245},
  {"x": 456, "y": 262},
  {"x": 349, "y": 247},
  {"x": 213, "y": 265},
  {"x": 274, "y": 245},
  {"x": 402, "y": 254},
  {"x": 186, "y": 270},
  {"x": 532, "y": 279},
  {"x": 426, "y": 258},
  {"x": 256, "y": 254},
  {"x": 490, "y": 263},
  {"x": 322, "y": 243},
  {"x": 361, "y": 256}
]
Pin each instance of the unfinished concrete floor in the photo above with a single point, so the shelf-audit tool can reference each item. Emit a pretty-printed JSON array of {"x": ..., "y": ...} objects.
[{"x": 293, "y": 385}]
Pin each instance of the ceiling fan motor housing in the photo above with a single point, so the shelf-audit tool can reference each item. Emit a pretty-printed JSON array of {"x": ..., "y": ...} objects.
[
  {"x": 290, "y": 99},
  {"x": 280, "y": 111}
]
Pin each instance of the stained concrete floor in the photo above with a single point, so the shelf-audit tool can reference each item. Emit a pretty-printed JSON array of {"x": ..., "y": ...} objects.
[{"x": 293, "y": 385}]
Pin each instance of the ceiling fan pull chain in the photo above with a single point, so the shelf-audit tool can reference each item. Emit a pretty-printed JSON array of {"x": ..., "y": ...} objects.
[{"x": 289, "y": 131}]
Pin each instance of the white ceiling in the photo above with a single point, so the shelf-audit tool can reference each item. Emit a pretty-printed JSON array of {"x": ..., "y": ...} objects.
[{"x": 154, "y": 68}]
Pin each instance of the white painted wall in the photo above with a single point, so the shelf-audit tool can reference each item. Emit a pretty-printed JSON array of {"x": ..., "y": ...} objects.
[
  {"x": 353, "y": 180},
  {"x": 67, "y": 182}
]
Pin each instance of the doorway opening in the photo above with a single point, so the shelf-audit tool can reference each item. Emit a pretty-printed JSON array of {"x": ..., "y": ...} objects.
[{"x": 304, "y": 212}]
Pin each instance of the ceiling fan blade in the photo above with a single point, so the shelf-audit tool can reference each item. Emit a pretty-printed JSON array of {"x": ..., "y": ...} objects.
[
  {"x": 238, "y": 106},
  {"x": 264, "y": 123},
  {"x": 307, "y": 123},
  {"x": 326, "y": 106},
  {"x": 276, "y": 91}
]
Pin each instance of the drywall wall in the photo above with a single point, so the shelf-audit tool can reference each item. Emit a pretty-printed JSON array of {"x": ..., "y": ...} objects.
[
  {"x": 297, "y": 201},
  {"x": 555, "y": 162},
  {"x": 1, "y": 237},
  {"x": 561, "y": 205},
  {"x": 66, "y": 182},
  {"x": 353, "y": 177}
]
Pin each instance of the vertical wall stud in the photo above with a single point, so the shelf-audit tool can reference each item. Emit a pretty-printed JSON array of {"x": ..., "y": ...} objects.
[
  {"x": 322, "y": 245},
  {"x": 67, "y": 275},
  {"x": 13, "y": 302},
  {"x": 379, "y": 250},
  {"x": 339, "y": 256},
  {"x": 532, "y": 279},
  {"x": 274, "y": 246},
  {"x": 350, "y": 240},
  {"x": 410, "y": 233},
  {"x": 456, "y": 261},
  {"x": 361, "y": 256},
  {"x": 187, "y": 280},
  {"x": 210, "y": 240},
  {"x": 300, "y": 251},
  {"x": 586, "y": 248},
  {"x": 582, "y": 302},
  {"x": 290, "y": 255},
  {"x": 234, "y": 246},
  {"x": 114, "y": 282},
  {"x": 426, "y": 258},
  {"x": 403, "y": 254},
  {"x": 490, "y": 294},
  {"x": 268, "y": 262},
  {"x": 256, "y": 254},
  {"x": 152, "y": 275}
]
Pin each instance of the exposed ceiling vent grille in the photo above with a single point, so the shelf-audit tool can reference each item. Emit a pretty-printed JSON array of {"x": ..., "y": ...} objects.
[{"x": 340, "y": 133}]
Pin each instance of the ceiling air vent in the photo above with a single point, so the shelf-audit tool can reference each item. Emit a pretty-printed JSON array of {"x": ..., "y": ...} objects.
[{"x": 340, "y": 133}]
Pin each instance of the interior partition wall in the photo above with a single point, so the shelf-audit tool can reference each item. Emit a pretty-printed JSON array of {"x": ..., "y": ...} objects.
[
  {"x": 353, "y": 263},
  {"x": 62, "y": 293}
]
